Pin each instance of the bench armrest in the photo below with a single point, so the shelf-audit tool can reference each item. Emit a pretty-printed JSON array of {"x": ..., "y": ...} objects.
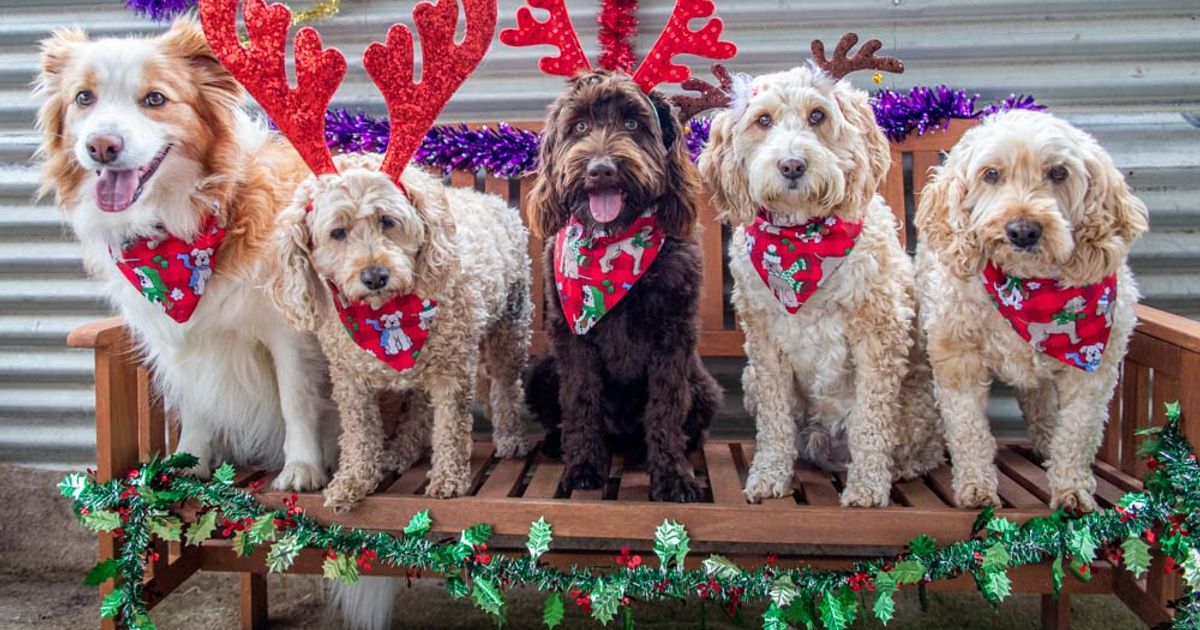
[{"x": 102, "y": 333}]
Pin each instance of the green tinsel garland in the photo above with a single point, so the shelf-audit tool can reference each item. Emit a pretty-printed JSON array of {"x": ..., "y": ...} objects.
[{"x": 138, "y": 509}]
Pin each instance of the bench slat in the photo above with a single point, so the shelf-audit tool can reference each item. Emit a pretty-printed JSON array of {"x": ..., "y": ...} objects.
[
  {"x": 411, "y": 480},
  {"x": 816, "y": 486},
  {"x": 917, "y": 494},
  {"x": 1014, "y": 494},
  {"x": 503, "y": 479},
  {"x": 722, "y": 474},
  {"x": 544, "y": 482},
  {"x": 1024, "y": 472}
]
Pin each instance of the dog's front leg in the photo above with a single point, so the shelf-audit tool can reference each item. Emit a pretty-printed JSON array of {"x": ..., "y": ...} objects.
[
  {"x": 1039, "y": 407},
  {"x": 581, "y": 397},
  {"x": 669, "y": 399},
  {"x": 360, "y": 466},
  {"x": 960, "y": 383},
  {"x": 195, "y": 435},
  {"x": 879, "y": 349},
  {"x": 298, "y": 368},
  {"x": 450, "y": 462},
  {"x": 774, "y": 399},
  {"x": 1084, "y": 398}
]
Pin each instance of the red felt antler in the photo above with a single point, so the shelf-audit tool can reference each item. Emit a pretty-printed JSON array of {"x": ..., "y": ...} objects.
[
  {"x": 412, "y": 106},
  {"x": 556, "y": 31},
  {"x": 678, "y": 38},
  {"x": 298, "y": 112}
]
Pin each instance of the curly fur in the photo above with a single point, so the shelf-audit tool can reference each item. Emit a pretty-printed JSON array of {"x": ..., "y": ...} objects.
[
  {"x": 849, "y": 359},
  {"x": 634, "y": 383},
  {"x": 462, "y": 248},
  {"x": 243, "y": 387},
  {"x": 1089, "y": 222}
]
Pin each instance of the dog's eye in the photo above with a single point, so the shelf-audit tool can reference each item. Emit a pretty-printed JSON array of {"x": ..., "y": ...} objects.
[
  {"x": 765, "y": 120},
  {"x": 338, "y": 234},
  {"x": 387, "y": 223},
  {"x": 154, "y": 99},
  {"x": 991, "y": 176},
  {"x": 581, "y": 127},
  {"x": 1058, "y": 174},
  {"x": 85, "y": 98},
  {"x": 816, "y": 117},
  {"x": 631, "y": 124}
]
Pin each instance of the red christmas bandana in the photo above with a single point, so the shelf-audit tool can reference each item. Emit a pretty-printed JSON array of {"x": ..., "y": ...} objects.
[
  {"x": 1070, "y": 324},
  {"x": 171, "y": 273},
  {"x": 395, "y": 332},
  {"x": 594, "y": 271},
  {"x": 795, "y": 260}
]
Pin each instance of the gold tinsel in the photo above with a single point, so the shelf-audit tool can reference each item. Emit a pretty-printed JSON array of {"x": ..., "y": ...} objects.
[{"x": 321, "y": 10}]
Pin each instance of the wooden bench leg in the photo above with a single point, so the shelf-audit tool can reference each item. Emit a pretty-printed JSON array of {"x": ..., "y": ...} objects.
[
  {"x": 1056, "y": 612},
  {"x": 254, "y": 601}
]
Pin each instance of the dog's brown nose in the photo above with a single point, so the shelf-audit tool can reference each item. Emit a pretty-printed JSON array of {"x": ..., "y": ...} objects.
[
  {"x": 374, "y": 277},
  {"x": 602, "y": 171},
  {"x": 793, "y": 168},
  {"x": 105, "y": 148},
  {"x": 1023, "y": 234}
]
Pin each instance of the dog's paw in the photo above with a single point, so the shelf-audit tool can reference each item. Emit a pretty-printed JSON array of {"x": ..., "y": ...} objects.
[
  {"x": 300, "y": 476},
  {"x": 345, "y": 492},
  {"x": 976, "y": 495},
  {"x": 447, "y": 486},
  {"x": 582, "y": 477},
  {"x": 676, "y": 488},
  {"x": 1074, "y": 500},
  {"x": 510, "y": 446},
  {"x": 864, "y": 495},
  {"x": 762, "y": 484}
]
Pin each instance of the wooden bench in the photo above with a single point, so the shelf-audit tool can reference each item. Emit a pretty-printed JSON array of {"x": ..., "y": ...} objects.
[{"x": 590, "y": 525}]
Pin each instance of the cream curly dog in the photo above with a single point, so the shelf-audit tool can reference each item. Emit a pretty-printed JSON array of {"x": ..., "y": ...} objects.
[
  {"x": 464, "y": 249},
  {"x": 1026, "y": 170},
  {"x": 799, "y": 146}
]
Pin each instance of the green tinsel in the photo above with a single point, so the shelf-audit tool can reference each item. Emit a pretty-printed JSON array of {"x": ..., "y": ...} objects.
[{"x": 139, "y": 506}]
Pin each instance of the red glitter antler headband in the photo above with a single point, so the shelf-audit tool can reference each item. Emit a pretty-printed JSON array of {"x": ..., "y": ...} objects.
[
  {"x": 657, "y": 67},
  {"x": 300, "y": 113}
]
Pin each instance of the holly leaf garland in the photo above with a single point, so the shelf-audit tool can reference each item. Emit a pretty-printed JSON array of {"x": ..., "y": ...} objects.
[
  {"x": 202, "y": 529},
  {"x": 996, "y": 558},
  {"x": 1136, "y": 555},
  {"x": 801, "y": 613},
  {"x": 908, "y": 572},
  {"x": 1083, "y": 545},
  {"x": 981, "y": 521},
  {"x": 538, "y": 541},
  {"x": 487, "y": 597},
  {"x": 112, "y": 603},
  {"x": 922, "y": 546},
  {"x": 262, "y": 530},
  {"x": 885, "y": 602},
  {"x": 167, "y": 527},
  {"x": 102, "y": 572},
  {"x": 1001, "y": 526},
  {"x": 418, "y": 525},
  {"x": 283, "y": 553},
  {"x": 101, "y": 521},
  {"x": 671, "y": 543},
  {"x": 476, "y": 535},
  {"x": 224, "y": 474},
  {"x": 456, "y": 586},
  {"x": 1191, "y": 570},
  {"x": 773, "y": 618},
  {"x": 838, "y": 609},
  {"x": 341, "y": 566},
  {"x": 721, "y": 568},
  {"x": 996, "y": 586},
  {"x": 606, "y": 599},
  {"x": 552, "y": 610},
  {"x": 783, "y": 591},
  {"x": 1057, "y": 574},
  {"x": 72, "y": 485}
]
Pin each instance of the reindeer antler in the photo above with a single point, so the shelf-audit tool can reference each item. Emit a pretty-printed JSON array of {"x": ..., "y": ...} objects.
[
  {"x": 710, "y": 96},
  {"x": 412, "y": 106},
  {"x": 678, "y": 38},
  {"x": 298, "y": 112},
  {"x": 556, "y": 31},
  {"x": 841, "y": 65}
]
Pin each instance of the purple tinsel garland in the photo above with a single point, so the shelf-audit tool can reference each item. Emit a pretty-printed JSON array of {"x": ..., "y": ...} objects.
[
  {"x": 160, "y": 10},
  {"x": 510, "y": 152}
]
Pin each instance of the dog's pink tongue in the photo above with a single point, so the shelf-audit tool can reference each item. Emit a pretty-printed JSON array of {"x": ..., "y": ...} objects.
[
  {"x": 606, "y": 205},
  {"x": 115, "y": 189}
]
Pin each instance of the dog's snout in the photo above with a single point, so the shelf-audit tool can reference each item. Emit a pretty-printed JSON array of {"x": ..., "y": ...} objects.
[
  {"x": 105, "y": 147},
  {"x": 793, "y": 168},
  {"x": 602, "y": 171},
  {"x": 374, "y": 277},
  {"x": 1023, "y": 234}
]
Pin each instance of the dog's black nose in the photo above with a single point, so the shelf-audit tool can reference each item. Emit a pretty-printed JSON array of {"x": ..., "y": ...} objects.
[
  {"x": 374, "y": 277},
  {"x": 105, "y": 148},
  {"x": 793, "y": 168},
  {"x": 1023, "y": 234},
  {"x": 602, "y": 171}
]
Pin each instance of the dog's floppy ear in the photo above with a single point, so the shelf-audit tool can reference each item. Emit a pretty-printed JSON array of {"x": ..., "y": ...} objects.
[
  {"x": 295, "y": 290},
  {"x": 724, "y": 173},
  {"x": 186, "y": 39},
  {"x": 870, "y": 166},
  {"x": 57, "y": 51},
  {"x": 437, "y": 259},
  {"x": 942, "y": 221},
  {"x": 546, "y": 209},
  {"x": 676, "y": 211},
  {"x": 1113, "y": 217}
]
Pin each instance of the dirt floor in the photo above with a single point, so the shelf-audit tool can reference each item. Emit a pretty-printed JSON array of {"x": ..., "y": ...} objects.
[{"x": 44, "y": 556}]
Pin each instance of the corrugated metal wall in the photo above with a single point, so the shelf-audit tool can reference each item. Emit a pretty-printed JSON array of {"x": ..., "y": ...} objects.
[{"x": 1126, "y": 71}]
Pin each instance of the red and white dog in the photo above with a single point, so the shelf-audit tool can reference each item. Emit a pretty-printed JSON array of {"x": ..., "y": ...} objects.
[{"x": 164, "y": 176}]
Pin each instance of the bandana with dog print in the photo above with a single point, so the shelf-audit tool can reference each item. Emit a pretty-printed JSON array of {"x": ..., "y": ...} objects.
[
  {"x": 395, "y": 332},
  {"x": 795, "y": 260},
  {"x": 594, "y": 271},
  {"x": 1070, "y": 324},
  {"x": 170, "y": 272}
]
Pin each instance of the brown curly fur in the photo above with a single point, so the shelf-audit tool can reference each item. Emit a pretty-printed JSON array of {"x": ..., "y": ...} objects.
[{"x": 634, "y": 383}]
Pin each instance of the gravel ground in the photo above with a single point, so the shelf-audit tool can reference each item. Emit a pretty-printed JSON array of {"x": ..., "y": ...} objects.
[{"x": 44, "y": 556}]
